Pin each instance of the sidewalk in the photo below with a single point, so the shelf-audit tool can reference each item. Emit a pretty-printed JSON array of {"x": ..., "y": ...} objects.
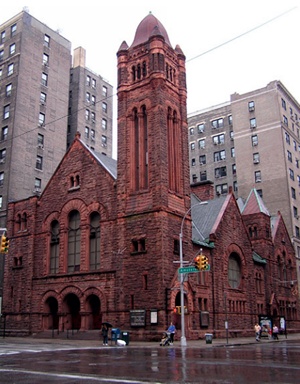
[{"x": 177, "y": 344}]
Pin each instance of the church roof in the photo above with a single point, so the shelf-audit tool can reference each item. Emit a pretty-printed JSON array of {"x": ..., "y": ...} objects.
[
  {"x": 148, "y": 27},
  {"x": 204, "y": 215},
  {"x": 254, "y": 204}
]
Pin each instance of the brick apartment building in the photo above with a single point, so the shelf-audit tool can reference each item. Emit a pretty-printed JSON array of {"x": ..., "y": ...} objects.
[{"x": 102, "y": 240}]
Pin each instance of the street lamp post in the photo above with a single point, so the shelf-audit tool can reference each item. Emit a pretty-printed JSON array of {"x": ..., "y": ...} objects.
[{"x": 183, "y": 338}]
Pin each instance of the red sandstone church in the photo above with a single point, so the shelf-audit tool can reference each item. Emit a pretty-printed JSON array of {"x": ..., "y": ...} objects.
[{"x": 102, "y": 241}]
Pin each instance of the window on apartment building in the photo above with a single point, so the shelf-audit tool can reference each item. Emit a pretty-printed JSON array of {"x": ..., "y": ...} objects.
[
  {"x": 235, "y": 186},
  {"x": 293, "y": 193},
  {"x": 231, "y": 135},
  {"x": 93, "y": 134},
  {"x": 220, "y": 155},
  {"x": 47, "y": 40},
  {"x": 13, "y": 30},
  {"x": 253, "y": 123},
  {"x": 93, "y": 83},
  {"x": 2, "y": 155},
  {"x": 103, "y": 141},
  {"x": 292, "y": 176},
  {"x": 12, "y": 49},
  {"x": 45, "y": 79},
  {"x": 232, "y": 151},
  {"x": 1, "y": 201},
  {"x": 295, "y": 145},
  {"x": 93, "y": 117},
  {"x": 94, "y": 241},
  {"x": 234, "y": 270},
  {"x": 192, "y": 146},
  {"x": 87, "y": 114},
  {"x": 256, "y": 158},
  {"x": 218, "y": 123},
  {"x": 86, "y": 132},
  {"x": 251, "y": 106},
  {"x": 10, "y": 69},
  {"x": 295, "y": 212},
  {"x": 93, "y": 99},
  {"x": 260, "y": 193},
  {"x": 257, "y": 176},
  {"x": 203, "y": 176},
  {"x": 39, "y": 162},
  {"x": 4, "y": 133},
  {"x": 1, "y": 54},
  {"x": 201, "y": 144},
  {"x": 104, "y": 91},
  {"x": 43, "y": 98},
  {"x": 192, "y": 131},
  {"x": 193, "y": 162},
  {"x": 283, "y": 104},
  {"x": 221, "y": 189},
  {"x": 2, "y": 37},
  {"x": 202, "y": 159},
  {"x": 40, "y": 140},
  {"x": 37, "y": 183},
  {"x": 6, "y": 112},
  {"x": 1, "y": 70},
  {"x": 219, "y": 139},
  {"x": 287, "y": 138},
  {"x": 104, "y": 107},
  {"x": 104, "y": 124},
  {"x": 8, "y": 89},
  {"x": 201, "y": 128},
  {"x": 74, "y": 235},
  {"x": 285, "y": 121},
  {"x": 194, "y": 178},
  {"x": 298, "y": 180},
  {"x": 297, "y": 232},
  {"x": 45, "y": 59},
  {"x": 220, "y": 172},
  {"x": 230, "y": 119},
  {"x": 234, "y": 169},
  {"x": 41, "y": 119},
  {"x": 87, "y": 97},
  {"x": 1, "y": 178},
  {"x": 289, "y": 156},
  {"x": 254, "y": 140}
]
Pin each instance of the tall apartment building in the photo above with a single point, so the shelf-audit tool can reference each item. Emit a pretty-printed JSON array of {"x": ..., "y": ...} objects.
[
  {"x": 90, "y": 106},
  {"x": 253, "y": 141},
  {"x": 34, "y": 91}
]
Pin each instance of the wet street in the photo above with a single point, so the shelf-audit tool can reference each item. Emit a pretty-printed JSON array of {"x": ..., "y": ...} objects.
[{"x": 58, "y": 363}]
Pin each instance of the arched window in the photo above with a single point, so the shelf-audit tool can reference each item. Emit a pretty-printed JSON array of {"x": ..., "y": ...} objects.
[
  {"x": 54, "y": 247},
  {"x": 234, "y": 270},
  {"x": 74, "y": 242},
  {"x": 94, "y": 241},
  {"x": 24, "y": 221}
]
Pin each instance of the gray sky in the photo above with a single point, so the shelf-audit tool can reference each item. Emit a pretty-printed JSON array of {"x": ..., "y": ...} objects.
[{"x": 265, "y": 54}]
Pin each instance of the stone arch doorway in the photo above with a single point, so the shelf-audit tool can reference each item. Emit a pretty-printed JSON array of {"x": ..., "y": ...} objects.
[
  {"x": 177, "y": 315},
  {"x": 94, "y": 312},
  {"x": 71, "y": 307},
  {"x": 51, "y": 320}
]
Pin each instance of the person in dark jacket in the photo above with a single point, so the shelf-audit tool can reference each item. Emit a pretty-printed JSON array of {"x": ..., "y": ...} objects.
[{"x": 104, "y": 332}]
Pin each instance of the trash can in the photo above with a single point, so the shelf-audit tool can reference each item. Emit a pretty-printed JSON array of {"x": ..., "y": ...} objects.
[
  {"x": 115, "y": 334},
  {"x": 125, "y": 337},
  {"x": 208, "y": 338}
]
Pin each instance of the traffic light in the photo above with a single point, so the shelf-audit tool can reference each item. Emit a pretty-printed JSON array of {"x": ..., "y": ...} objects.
[
  {"x": 4, "y": 244},
  {"x": 197, "y": 261},
  {"x": 203, "y": 263}
]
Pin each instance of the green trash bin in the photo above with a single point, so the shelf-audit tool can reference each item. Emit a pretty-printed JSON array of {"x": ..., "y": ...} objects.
[
  {"x": 125, "y": 337},
  {"x": 208, "y": 338}
]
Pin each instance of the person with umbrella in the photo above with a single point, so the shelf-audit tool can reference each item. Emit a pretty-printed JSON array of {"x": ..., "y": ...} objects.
[{"x": 104, "y": 332}]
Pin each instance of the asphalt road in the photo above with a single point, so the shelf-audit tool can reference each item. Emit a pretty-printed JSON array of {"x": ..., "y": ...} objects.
[{"x": 66, "y": 362}]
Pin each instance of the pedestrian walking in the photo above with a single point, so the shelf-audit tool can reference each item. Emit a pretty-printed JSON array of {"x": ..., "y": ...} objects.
[
  {"x": 275, "y": 332},
  {"x": 257, "y": 329},
  {"x": 104, "y": 332},
  {"x": 172, "y": 331}
]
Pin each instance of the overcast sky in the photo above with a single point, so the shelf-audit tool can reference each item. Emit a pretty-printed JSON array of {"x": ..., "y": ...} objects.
[{"x": 266, "y": 53}]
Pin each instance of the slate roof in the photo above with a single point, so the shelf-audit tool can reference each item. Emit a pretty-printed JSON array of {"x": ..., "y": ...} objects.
[
  {"x": 254, "y": 204},
  {"x": 204, "y": 215}
]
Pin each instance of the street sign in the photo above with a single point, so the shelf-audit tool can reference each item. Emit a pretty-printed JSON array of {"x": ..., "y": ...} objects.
[{"x": 191, "y": 270}]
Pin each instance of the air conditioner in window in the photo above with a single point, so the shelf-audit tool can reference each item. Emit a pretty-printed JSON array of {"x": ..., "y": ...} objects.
[
  {"x": 201, "y": 163},
  {"x": 43, "y": 103},
  {"x": 93, "y": 121},
  {"x": 40, "y": 146},
  {"x": 36, "y": 190},
  {"x": 256, "y": 161},
  {"x": 41, "y": 125},
  {"x": 2, "y": 161},
  {"x": 255, "y": 144},
  {"x": 258, "y": 180},
  {"x": 252, "y": 126}
]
